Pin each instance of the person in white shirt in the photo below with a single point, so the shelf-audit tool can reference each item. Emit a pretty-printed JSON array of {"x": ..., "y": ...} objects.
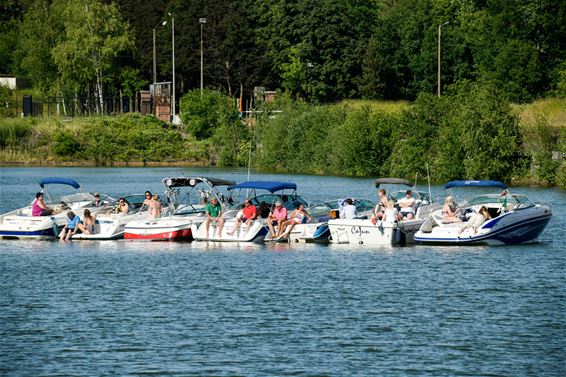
[
  {"x": 349, "y": 210},
  {"x": 407, "y": 206}
]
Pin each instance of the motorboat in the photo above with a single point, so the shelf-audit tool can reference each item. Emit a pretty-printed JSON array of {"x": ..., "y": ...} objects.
[
  {"x": 21, "y": 224},
  {"x": 381, "y": 232},
  {"x": 263, "y": 195},
  {"x": 512, "y": 218},
  {"x": 186, "y": 197},
  {"x": 111, "y": 225}
]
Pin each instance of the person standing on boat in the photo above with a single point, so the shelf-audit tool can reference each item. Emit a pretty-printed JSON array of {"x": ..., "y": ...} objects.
[
  {"x": 349, "y": 210},
  {"x": 214, "y": 214},
  {"x": 276, "y": 217},
  {"x": 38, "y": 207},
  {"x": 249, "y": 214},
  {"x": 147, "y": 200},
  {"x": 406, "y": 206},
  {"x": 154, "y": 207}
]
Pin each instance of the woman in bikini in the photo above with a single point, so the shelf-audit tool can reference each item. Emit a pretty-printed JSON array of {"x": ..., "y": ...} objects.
[
  {"x": 298, "y": 216},
  {"x": 450, "y": 211}
]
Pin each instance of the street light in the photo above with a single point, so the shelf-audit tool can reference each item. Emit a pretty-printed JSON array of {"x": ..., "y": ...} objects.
[
  {"x": 154, "y": 60},
  {"x": 173, "y": 51},
  {"x": 201, "y": 21},
  {"x": 309, "y": 66},
  {"x": 439, "y": 31}
]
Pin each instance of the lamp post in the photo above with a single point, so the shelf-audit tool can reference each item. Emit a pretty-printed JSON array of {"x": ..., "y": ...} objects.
[
  {"x": 201, "y": 21},
  {"x": 439, "y": 32},
  {"x": 154, "y": 56},
  {"x": 173, "y": 53},
  {"x": 309, "y": 68}
]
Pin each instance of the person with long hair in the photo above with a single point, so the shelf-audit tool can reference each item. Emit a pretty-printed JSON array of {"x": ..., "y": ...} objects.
[{"x": 450, "y": 211}]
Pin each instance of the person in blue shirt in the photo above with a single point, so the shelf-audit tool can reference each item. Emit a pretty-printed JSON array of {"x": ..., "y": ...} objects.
[{"x": 73, "y": 225}]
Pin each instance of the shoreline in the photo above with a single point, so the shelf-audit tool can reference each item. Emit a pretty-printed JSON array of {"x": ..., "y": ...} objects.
[
  {"x": 203, "y": 164},
  {"x": 117, "y": 164}
]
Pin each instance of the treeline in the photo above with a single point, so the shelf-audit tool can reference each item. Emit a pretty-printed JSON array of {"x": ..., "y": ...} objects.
[
  {"x": 319, "y": 50},
  {"x": 470, "y": 133}
]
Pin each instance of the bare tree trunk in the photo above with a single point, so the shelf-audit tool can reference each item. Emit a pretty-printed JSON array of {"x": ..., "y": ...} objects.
[{"x": 99, "y": 89}]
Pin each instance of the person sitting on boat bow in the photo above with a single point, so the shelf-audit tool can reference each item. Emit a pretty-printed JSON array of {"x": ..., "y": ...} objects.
[
  {"x": 379, "y": 211},
  {"x": 298, "y": 216},
  {"x": 248, "y": 215},
  {"x": 276, "y": 217},
  {"x": 214, "y": 214},
  {"x": 89, "y": 221},
  {"x": 73, "y": 225},
  {"x": 406, "y": 206}
]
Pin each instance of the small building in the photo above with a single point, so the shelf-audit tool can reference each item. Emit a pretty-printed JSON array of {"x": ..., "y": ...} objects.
[{"x": 13, "y": 82}]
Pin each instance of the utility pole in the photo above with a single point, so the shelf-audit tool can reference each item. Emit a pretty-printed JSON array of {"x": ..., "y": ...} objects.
[
  {"x": 201, "y": 21},
  {"x": 439, "y": 33}
]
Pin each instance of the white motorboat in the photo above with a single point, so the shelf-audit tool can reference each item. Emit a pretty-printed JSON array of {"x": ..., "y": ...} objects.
[
  {"x": 110, "y": 225},
  {"x": 269, "y": 193},
  {"x": 186, "y": 197},
  {"x": 366, "y": 232},
  {"x": 21, "y": 224},
  {"x": 514, "y": 219}
]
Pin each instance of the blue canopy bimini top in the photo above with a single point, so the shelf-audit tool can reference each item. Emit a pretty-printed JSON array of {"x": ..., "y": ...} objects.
[
  {"x": 475, "y": 184},
  {"x": 264, "y": 185},
  {"x": 59, "y": 181}
]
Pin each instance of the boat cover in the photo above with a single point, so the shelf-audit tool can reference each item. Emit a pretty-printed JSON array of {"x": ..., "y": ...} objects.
[
  {"x": 264, "y": 185},
  {"x": 193, "y": 181},
  {"x": 59, "y": 181},
  {"x": 392, "y": 181},
  {"x": 475, "y": 184}
]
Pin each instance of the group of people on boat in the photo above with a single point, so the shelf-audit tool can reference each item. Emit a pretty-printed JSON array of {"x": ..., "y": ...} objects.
[
  {"x": 87, "y": 224},
  {"x": 279, "y": 222},
  {"x": 388, "y": 210},
  {"x": 451, "y": 214}
]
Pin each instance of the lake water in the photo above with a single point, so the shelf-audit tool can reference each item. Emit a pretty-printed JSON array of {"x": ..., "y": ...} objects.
[{"x": 197, "y": 309}]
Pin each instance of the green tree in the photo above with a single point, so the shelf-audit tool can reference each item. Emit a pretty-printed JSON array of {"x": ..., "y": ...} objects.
[
  {"x": 204, "y": 114},
  {"x": 94, "y": 36}
]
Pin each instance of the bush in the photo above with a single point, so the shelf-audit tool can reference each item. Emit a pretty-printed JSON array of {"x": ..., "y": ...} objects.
[{"x": 65, "y": 144}]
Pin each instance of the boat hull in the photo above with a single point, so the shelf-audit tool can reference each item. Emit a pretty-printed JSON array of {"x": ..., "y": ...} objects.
[
  {"x": 364, "y": 232},
  {"x": 165, "y": 229},
  {"x": 256, "y": 233},
  {"x": 310, "y": 233},
  {"x": 512, "y": 228}
]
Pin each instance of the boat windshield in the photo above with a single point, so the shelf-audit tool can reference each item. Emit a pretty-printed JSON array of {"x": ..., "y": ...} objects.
[{"x": 78, "y": 197}]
